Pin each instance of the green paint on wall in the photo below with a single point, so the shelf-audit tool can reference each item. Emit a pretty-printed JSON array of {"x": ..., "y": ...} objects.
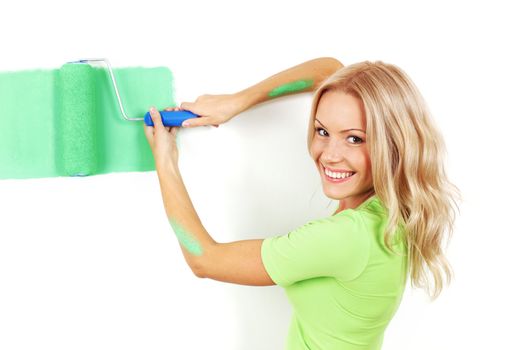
[
  {"x": 186, "y": 239},
  {"x": 294, "y": 86},
  {"x": 66, "y": 121}
]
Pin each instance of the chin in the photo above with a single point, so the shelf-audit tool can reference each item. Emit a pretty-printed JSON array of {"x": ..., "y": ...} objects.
[{"x": 336, "y": 195}]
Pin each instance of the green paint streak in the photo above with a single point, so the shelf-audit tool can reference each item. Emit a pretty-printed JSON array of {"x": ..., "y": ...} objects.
[
  {"x": 186, "y": 239},
  {"x": 292, "y": 87}
]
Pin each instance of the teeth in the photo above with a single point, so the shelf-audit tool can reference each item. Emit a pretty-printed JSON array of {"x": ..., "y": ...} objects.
[{"x": 337, "y": 175}]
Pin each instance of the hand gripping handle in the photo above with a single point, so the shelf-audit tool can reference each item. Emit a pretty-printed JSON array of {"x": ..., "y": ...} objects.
[{"x": 170, "y": 118}]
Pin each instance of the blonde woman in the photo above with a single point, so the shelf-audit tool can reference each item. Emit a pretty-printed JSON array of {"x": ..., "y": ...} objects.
[{"x": 380, "y": 155}]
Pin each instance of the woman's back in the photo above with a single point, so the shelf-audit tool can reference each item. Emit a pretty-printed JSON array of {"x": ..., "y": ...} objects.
[{"x": 347, "y": 302}]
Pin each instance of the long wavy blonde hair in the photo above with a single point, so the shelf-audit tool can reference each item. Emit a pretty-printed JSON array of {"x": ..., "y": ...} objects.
[{"x": 407, "y": 155}]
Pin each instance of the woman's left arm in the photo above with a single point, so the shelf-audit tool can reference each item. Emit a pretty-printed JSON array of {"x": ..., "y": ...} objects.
[{"x": 236, "y": 262}]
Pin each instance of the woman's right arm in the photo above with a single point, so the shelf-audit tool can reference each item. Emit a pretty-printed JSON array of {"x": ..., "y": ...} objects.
[{"x": 218, "y": 109}]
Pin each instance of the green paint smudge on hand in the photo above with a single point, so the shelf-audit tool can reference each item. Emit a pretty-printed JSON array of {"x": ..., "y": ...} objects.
[
  {"x": 292, "y": 87},
  {"x": 186, "y": 239}
]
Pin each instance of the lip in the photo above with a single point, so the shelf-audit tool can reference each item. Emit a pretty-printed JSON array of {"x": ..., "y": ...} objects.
[
  {"x": 329, "y": 179},
  {"x": 337, "y": 170}
]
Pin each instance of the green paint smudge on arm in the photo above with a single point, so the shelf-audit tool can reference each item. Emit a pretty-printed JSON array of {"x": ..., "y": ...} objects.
[
  {"x": 186, "y": 239},
  {"x": 294, "y": 86}
]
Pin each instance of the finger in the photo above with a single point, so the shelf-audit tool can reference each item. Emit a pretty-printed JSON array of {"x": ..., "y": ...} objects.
[
  {"x": 188, "y": 106},
  {"x": 171, "y": 109},
  {"x": 148, "y": 131},
  {"x": 155, "y": 117},
  {"x": 199, "y": 121}
]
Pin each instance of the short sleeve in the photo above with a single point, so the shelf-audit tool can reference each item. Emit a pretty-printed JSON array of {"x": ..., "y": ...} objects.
[{"x": 338, "y": 246}]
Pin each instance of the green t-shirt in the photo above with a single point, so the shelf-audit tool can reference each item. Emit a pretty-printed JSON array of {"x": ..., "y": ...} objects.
[{"x": 343, "y": 283}]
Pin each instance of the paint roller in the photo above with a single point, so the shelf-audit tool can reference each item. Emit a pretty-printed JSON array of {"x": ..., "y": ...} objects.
[
  {"x": 78, "y": 150},
  {"x": 169, "y": 118}
]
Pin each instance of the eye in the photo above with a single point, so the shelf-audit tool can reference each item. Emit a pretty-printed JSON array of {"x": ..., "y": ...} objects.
[
  {"x": 357, "y": 140},
  {"x": 317, "y": 130}
]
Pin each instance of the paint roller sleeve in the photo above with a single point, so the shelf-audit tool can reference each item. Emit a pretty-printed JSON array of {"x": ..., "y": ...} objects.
[{"x": 76, "y": 135}]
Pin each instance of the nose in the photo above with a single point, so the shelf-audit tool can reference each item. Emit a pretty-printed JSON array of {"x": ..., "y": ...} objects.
[{"x": 332, "y": 152}]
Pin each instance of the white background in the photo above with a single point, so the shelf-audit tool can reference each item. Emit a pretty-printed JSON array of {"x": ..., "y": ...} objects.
[{"x": 91, "y": 263}]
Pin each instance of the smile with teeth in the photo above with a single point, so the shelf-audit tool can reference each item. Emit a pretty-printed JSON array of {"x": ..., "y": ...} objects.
[{"x": 337, "y": 176}]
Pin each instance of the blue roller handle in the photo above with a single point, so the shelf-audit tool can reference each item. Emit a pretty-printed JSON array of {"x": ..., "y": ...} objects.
[{"x": 171, "y": 118}]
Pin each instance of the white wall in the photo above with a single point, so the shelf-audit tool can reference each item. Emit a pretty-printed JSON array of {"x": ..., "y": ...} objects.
[{"x": 91, "y": 262}]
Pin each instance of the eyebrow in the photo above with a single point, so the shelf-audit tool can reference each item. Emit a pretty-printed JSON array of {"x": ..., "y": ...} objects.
[{"x": 342, "y": 131}]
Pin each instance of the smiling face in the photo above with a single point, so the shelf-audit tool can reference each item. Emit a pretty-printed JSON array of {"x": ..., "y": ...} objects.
[{"x": 339, "y": 145}]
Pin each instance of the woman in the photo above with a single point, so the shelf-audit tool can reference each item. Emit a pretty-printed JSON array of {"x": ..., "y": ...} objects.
[{"x": 378, "y": 153}]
